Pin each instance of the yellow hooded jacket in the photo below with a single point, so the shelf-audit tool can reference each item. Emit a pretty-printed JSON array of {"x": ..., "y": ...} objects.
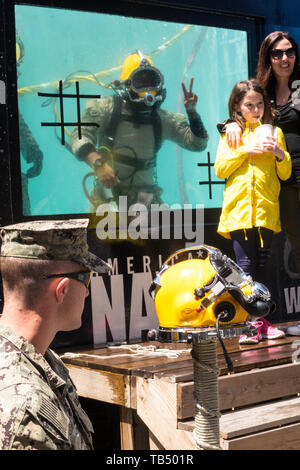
[{"x": 252, "y": 186}]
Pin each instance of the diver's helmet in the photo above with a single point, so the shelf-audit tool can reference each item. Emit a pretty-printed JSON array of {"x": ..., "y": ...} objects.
[
  {"x": 195, "y": 295},
  {"x": 141, "y": 81}
]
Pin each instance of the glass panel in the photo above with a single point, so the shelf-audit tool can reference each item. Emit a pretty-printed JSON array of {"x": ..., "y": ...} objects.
[{"x": 85, "y": 52}]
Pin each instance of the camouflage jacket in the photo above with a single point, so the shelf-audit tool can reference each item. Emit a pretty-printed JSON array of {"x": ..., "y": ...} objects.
[{"x": 39, "y": 407}]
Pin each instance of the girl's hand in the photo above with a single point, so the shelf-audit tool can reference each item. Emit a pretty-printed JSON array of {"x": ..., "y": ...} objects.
[
  {"x": 233, "y": 134},
  {"x": 271, "y": 145}
]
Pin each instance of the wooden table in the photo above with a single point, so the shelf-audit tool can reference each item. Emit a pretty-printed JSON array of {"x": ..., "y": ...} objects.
[{"x": 155, "y": 390}]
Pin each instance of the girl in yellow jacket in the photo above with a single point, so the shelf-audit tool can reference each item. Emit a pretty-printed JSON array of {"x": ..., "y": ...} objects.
[{"x": 250, "y": 211}]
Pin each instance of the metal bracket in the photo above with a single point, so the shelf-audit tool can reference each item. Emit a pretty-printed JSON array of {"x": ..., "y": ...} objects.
[{"x": 196, "y": 335}]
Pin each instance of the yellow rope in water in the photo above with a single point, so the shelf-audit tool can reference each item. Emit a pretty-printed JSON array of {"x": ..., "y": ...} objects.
[{"x": 104, "y": 73}]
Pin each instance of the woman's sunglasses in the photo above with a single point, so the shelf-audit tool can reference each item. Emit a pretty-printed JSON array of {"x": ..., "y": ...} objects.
[
  {"x": 81, "y": 276},
  {"x": 277, "y": 54}
]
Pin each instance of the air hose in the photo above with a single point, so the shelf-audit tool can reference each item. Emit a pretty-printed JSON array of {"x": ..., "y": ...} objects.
[{"x": 206, "y": 395}]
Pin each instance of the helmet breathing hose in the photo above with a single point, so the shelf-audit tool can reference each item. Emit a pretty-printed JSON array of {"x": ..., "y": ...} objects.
[
  {"x": 207, "y": 415},
  {"x": 226, "y": 355}
]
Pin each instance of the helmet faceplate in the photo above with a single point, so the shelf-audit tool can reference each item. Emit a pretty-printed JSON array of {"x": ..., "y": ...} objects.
[{"x": 143, "y": 81}]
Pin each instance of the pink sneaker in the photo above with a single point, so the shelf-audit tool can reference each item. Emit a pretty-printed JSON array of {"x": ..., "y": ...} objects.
[
  {"x": 244, "y": 339},
  {"x": 269, "y": 331}
]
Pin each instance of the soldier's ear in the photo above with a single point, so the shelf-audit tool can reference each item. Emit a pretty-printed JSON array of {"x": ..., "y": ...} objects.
[{"x": 61, "y": 289}]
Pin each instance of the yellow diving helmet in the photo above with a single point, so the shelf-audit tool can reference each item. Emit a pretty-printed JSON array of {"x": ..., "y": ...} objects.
[
  {"x": 196, "y": 295},
  {"x": 143, "y": 81}
]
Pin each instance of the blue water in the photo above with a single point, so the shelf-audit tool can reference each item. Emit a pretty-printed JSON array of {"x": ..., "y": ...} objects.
[{"x": 60, "y": 42}]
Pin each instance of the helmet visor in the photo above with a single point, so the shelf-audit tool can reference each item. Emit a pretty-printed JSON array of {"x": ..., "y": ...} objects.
[{"x": 146, "y": 79}]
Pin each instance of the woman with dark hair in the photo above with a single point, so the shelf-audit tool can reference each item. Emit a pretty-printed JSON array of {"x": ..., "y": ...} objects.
[
  {"x": 271, "y": 63},
  {"x": 278, "y": 72}
]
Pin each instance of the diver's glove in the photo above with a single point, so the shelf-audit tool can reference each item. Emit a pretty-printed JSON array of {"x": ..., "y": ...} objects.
[{"x": 196, "y": 125}]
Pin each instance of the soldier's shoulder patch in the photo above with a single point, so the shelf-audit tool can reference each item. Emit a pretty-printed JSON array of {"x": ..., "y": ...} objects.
[
  {"x": 50, "y": 412},
  {"x": 49, "y": 415}
]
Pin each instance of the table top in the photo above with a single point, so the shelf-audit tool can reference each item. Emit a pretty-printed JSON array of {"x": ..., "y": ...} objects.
[{"x": 173, "y": 361}]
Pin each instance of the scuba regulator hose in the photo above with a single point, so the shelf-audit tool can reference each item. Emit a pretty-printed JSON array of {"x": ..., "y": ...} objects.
[{"x": 87, "y": 194}]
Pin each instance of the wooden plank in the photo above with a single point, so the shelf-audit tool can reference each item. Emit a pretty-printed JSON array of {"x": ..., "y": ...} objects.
[
  {"x": 258, "y": 386},
  {"x": 283, "y": 438},
  {"x": 133, "y": 431},
  {"x": 133, "y": 392},
  {"x": 184, "y": 374},
  {"x": 127, "y": 364},
  {"x": 141, "y": 433},
  {"x": 120, "y": 360},
  {"x": 156, "y": 406},
  {"x": 248, "y": 359},
  {"x": 243, "y": 361},
  {"x": 187, "y": 425},
  {"x": 260, "y": 417},
  {"x": 101, "y": 385},
  {"x": 126, "y": 429},
  {"x": 245, "y": 388},
  {"x": 171, "y": 370},
  {"x": 232, "y": 344}
]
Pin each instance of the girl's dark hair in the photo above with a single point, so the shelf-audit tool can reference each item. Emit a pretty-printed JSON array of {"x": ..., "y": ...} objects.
[
  {"x": 265, "y": 75},
  {"x": 238, "y": 93}
]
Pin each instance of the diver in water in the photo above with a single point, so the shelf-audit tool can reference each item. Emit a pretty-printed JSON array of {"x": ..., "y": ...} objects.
[{"x": 130, "y": 128}]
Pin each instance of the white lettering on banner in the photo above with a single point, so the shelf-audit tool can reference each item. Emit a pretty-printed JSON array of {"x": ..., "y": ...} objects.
[
  {"x": 112, "y": 312},
  {"x": 140, "y": 287},
  {"x": 130, "y": 265},
  {"x": 146, "y": 264},
  {"x": 103, "y": 310},
  {"x": 292, "y": 299},
  {"x": 114, "y": 265},
  {"x": 160, "y": 261},
  {"x": 123, "y": 300}
]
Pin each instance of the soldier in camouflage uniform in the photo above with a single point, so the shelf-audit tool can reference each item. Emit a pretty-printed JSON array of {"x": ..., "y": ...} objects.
[{"x": 39, "y": 407}]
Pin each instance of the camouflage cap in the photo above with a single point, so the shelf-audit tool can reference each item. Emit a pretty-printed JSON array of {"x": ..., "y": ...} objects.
[{"x": 51, "y": 240}]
